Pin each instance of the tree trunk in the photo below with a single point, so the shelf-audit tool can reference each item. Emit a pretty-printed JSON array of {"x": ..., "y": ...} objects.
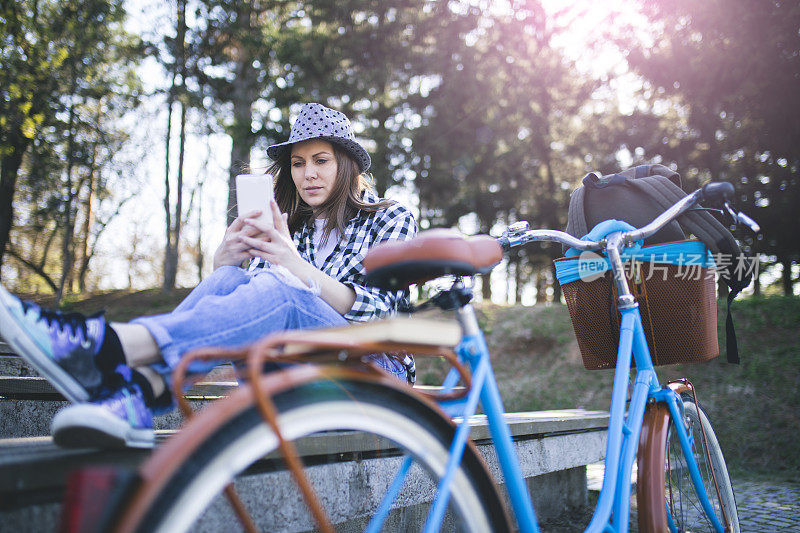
[
  {"x": 241, "y": 136},
  {"x": 178, "y": 218},
  {"x": 757, "y": 282},
  {"x": 556, "y": 285},
  {"x": 9, "y": 169},
  {"x": 200, "y": 259},
  {"x": 486, "y": 287},
  {"x": 541, "y": 287},
  {"x": 88, "y": 219},
  {"x": 167, "y": 186},
  {"x": 244, "y": 93},
  {"x": 172, "y": 252},
  {"x": 518, "y": 280},
  {"x": 786, "y": 276},
  {"x": 173, "y": 221},
  {"x": 67, "y": 249}
]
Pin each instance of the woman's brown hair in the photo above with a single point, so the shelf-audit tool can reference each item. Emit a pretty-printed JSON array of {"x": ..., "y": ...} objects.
[{"x": 342, "y": 204}]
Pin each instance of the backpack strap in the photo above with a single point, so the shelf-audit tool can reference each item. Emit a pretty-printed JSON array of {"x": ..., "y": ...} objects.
[
  {"x": 703, "y": 225},
  {"x": 576, "y": 218},
  {"x": 718, "y": 239}
]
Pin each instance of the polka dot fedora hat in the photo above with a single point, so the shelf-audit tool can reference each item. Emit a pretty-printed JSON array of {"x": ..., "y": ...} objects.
[{"x": 316, "y": 121}]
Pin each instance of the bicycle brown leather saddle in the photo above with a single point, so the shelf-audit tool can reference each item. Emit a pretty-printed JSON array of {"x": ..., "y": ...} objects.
[{"x": 431, "y": 254}]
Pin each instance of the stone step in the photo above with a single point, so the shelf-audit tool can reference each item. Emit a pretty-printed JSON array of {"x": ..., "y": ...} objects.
[
  {"x": 32, "y": 418},
  {"x": 595, "y": 473},
  {"x": 28, "y": 404},
  {"x": 553, "y": 446},
  {"x": 12, "y": 365},
  {"x": 37, "y": 388},
  {"x": 34, "y": 404}
]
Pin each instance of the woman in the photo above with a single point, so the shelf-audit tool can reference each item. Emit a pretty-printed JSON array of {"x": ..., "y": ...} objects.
[{"x": 304, "y": 272}]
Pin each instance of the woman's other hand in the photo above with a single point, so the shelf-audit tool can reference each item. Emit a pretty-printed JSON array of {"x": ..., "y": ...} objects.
[
  {"x": 277, "y": 245},
  {"x": 233, "y": 250}
]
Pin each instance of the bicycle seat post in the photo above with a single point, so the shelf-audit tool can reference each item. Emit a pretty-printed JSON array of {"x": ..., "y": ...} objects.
[
  {"x": 459, "y": 298},
  {"x": 468, "y": 320},
  {"x": 614, "y": 243}
]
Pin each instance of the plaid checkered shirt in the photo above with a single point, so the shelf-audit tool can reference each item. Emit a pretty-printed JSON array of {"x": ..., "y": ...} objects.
[{"x": 365, "y": 230}]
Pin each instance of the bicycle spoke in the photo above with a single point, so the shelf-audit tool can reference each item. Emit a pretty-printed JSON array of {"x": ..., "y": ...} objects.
[{"x": 684, "y": 505}]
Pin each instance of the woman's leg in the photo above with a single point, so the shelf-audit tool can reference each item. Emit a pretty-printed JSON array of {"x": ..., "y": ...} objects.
[
  {"x": 241, "y": 316},
  {"x": 223, "y": 280},
  {"x": 138, "y": 345},
  {"x": 140, "y": 348},
  {"x": 263, "y": 305}
]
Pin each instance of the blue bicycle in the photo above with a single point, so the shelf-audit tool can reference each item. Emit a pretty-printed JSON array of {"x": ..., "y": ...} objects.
[{"x": 683, "y": 483}]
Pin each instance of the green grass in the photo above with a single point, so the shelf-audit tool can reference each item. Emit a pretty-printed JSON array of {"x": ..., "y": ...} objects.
[{"x": 754, "y": 406}]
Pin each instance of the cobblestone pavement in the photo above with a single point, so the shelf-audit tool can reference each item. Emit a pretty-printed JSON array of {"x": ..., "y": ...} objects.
[{"x": 766, "y": 506}]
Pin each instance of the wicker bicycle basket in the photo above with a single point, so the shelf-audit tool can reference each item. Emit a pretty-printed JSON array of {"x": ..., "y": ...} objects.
[{"x": 677, "y": 304}]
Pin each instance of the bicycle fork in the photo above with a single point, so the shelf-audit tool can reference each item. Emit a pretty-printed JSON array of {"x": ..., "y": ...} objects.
[{"x": 686, "y": 440}]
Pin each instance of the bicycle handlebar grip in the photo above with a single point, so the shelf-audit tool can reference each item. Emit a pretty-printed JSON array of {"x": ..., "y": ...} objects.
[
  {"x": 717, "y": 191},
  {"x": 504, "y": 243}
]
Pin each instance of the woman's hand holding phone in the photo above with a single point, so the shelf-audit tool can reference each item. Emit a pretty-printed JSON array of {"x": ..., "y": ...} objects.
[
  {"x": 277, "y": 245},
  {"x": 233, "y": 250}
]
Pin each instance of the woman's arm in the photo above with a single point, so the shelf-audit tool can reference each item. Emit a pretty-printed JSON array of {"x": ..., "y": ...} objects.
[
  {"x": 395, "y": 223},
  {"x": 338, "y": 295},
  {"x": 279, "y": 249}
]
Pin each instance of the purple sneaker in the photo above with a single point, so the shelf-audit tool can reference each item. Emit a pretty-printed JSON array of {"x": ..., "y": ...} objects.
[
  {"x": 61, "y": 346},
  {"x": 118, "y": 420}
]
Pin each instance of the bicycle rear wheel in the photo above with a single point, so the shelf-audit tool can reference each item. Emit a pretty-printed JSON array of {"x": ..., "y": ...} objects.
[
  {"x": 665, "y": 493},
  {"x": 387, "y": 421}
]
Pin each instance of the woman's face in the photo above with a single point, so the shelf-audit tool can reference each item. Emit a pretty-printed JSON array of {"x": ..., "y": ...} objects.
[{"x": 314, "y": 169}]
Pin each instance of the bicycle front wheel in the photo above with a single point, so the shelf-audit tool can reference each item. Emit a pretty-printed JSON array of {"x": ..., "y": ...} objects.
[
  {"x": 386, "y": 423},
  {"x": 666, "y": 495}
]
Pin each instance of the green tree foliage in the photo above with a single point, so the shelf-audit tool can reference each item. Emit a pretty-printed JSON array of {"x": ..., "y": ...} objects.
[
  {"x": 66, "y": 74},
  {"x": 507, "y": 131},
  {"x": 383, "y": 51},
  {"x": 31, "y": 51},
  {"x": 729, "y": 72},
  {"x": 237, "y": 62}
]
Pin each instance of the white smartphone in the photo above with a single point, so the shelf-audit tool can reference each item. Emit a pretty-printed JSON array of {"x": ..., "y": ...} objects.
[{"x": 254, "y": 192}]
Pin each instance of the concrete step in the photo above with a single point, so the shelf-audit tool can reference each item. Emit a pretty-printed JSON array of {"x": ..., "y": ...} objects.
[
  {"x": 553, "y": 447},
  {"x": 33, "y": 404},
  {"x": 28, "y": 405},
  {"x": 29, "y": 402},
  {"x": 12, "y": 365},
  {"x": 595, "y": 473},
  {"x": 31, "y": 418}
]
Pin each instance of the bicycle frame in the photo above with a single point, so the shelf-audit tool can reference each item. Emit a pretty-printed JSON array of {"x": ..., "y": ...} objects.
[{"x": 612, "y": 512}]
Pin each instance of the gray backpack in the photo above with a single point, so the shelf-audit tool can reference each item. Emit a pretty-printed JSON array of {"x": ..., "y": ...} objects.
[{"x": 639, "y": 194}]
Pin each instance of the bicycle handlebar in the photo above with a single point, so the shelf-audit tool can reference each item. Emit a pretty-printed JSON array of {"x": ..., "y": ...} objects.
[
  {"x": 517, "y": 239},
  {"x": 518, "y": 234}
]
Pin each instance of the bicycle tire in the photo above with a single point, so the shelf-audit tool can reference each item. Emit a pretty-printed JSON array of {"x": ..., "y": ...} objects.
[
  {"x": 325, "y": 406},
  {"x": 665, "y": 493}
]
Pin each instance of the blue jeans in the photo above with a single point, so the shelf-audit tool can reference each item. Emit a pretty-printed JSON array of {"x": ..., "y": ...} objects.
[{"x": 234, "y": 308}]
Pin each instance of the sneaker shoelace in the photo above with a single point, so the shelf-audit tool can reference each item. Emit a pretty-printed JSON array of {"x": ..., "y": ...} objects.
[
  {"x": 72, "y": 323},
  {"x": 126, "y": 398}
]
